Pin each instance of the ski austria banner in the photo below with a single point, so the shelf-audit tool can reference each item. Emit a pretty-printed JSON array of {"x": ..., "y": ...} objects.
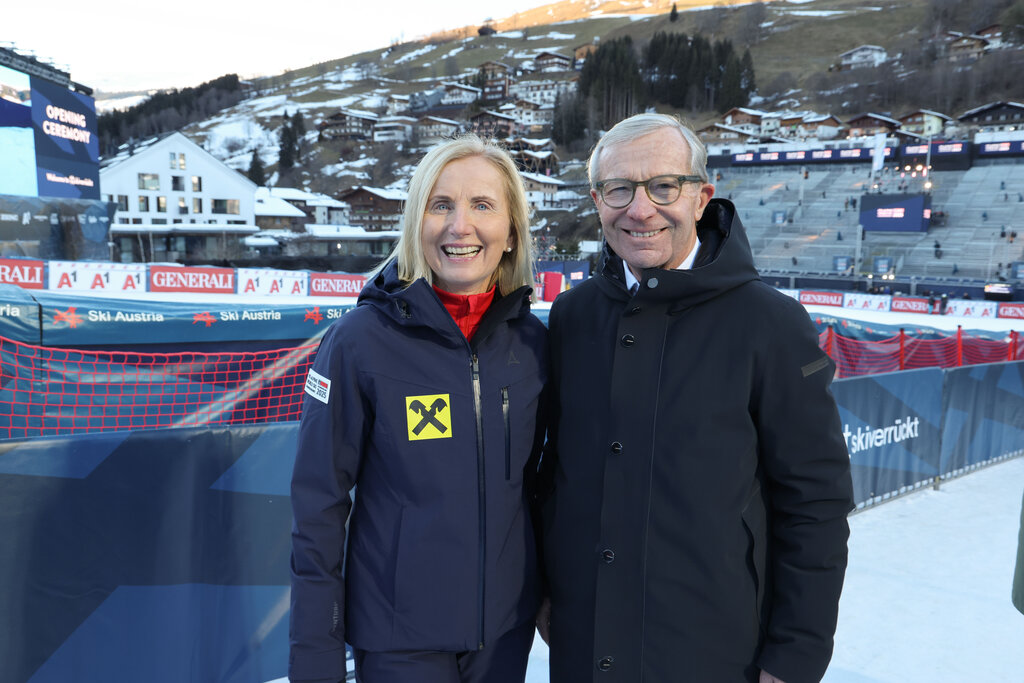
[
  {"x": 68, "y": 320},
  {"x": 892, "y": 425},
  {"x": 983, "y": 409},
  {"x": 158, "y": 556}
]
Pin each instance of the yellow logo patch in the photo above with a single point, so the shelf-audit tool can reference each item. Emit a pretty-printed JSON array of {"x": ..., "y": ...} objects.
[{"x": 428, "y": 417}]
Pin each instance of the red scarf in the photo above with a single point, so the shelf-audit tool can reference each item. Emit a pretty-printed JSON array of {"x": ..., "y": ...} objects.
[{"x": 466, "y": 309}]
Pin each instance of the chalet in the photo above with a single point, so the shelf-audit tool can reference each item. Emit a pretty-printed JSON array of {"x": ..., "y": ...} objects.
[
  {"x": 719, "y": 133},
  {"x": 497, "y": 81},
  {"x": 541, "y": 190},
  {"x": 532, "y": 117},
  {"x": 348, "y": 124},
  {"x": 433, "y": 129},
  {"x": 393, "y": 129},
  {"x": 492, "y": 124},
  {"x": 457, "y": 93},
  {"x": 274, "y": 213},
  {"x": 821, "y": 126},
  {"x": 543, "y": 162},
  {"x": 546, "y": 62},
  {"x": 744, "y": 119},
  {"x": 530, "y": 144},
  {"x": 317, "y": 208},
  {"x": 862, "y": 56},
  {"x": 542, "y": 91},
  {"x": 993, "y": 34},
  {"x": 866, "y": 125},
  {"x": 967, "y": 48},
  {"x": 375, "y": 208},
  {"x": 995, "y": 116},
  {"x": 925, "y": 123},
  {"x": 176, "y": 201}
]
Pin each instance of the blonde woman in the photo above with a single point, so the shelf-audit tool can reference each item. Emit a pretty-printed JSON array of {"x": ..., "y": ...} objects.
[{"x": 426, "y": 399}]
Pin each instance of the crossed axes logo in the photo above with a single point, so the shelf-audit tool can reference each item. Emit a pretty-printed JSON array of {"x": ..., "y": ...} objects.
[{"x": 428, "y": 417}]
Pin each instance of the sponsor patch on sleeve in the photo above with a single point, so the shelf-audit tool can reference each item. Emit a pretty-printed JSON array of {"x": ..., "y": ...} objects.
[{"x": 318, "y": 386}]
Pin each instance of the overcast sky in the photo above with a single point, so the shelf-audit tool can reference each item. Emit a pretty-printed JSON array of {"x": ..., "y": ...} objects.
[{"x": 116, "y": 45}]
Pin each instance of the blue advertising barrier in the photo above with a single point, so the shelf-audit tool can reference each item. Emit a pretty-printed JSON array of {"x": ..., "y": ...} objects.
[
  {"x": 983, "y": 414},
  {"x": 893, "y": 425},
  {"x": 162, "y": 556},
  {"x": 158, "y": 556}
]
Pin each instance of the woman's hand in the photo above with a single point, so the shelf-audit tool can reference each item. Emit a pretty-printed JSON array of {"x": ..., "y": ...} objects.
[{"x": 544, "y": 620}]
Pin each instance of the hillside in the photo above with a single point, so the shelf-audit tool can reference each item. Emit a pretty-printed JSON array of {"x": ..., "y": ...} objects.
[{"x": 793, "y": 44}]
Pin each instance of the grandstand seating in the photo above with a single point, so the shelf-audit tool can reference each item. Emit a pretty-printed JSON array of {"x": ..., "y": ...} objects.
[{"x": 819, "y": 224}]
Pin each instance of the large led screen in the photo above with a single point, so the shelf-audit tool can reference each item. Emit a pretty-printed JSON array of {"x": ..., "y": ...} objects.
[
  {"x": 896, "y": 212},
  {"x": 48, "y": 137}
]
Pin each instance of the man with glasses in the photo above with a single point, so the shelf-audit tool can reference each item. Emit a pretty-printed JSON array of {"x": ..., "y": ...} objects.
[{"x": 695, "y": 528}]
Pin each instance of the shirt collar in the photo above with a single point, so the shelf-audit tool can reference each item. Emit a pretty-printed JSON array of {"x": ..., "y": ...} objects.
[{"x": 687, "y": 264}]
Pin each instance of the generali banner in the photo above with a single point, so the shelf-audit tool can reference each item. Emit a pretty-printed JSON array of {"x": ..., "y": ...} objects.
[
  {"x": 820, "y": 298},
  {"x": 200, "y": 280}
]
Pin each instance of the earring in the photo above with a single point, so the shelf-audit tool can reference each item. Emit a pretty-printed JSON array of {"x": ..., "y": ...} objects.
[{"x": 508, "y": 249}]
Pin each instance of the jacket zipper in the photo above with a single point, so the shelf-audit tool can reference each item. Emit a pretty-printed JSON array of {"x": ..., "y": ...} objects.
[
  {"x": 481, "y": 496},
  {"x": 508, "y": 433}
]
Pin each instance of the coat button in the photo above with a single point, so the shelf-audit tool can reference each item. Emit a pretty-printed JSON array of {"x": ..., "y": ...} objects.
[
  {"x": 652, "y": 283},
  {"x": 605, "y": 663},
  {"x": 616, "y": 447},
  {"x": 608, "y": 555},
  {"x": 628, "y": 340},
  {"x": 635, "y": 309}
]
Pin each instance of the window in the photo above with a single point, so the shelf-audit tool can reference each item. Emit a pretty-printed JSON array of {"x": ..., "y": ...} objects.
[
  {"x": 143, "y": 204},
  {"x": 181, "y": 161},
  {"x": 149, "y": 181},
  {"x": 177, "y": 161},
  {"x": 197, "y": 205},
  {"x": 161, "y": 204},
  {"x": 122, "y": 202},
  {"x": 136, "y": 221},
  {"x": 226, "y": 206},
  {"x": 197, "y": 183},
  {"x": 177, "y": 183},
  {"x": 182, "y": 206},
  {"x": 159, "y": 221},
  {"x": 174, "y": 160}
]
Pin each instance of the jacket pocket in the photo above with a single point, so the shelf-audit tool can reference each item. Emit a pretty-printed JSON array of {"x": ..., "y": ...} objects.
[{"x": 507, "y": 419}]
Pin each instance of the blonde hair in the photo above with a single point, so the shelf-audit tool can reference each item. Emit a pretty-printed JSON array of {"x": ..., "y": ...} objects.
[
  {"x": 516, "y": 267},
  {"x": 636, "y": 127}
]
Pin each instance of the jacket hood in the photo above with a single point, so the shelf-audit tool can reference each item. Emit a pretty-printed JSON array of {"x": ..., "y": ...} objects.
[
  {"x": 419, "y": 306},
  {"x": 723, "y": 262}
]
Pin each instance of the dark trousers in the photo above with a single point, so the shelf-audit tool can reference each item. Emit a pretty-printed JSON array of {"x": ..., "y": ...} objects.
[{"x": 501, "y": 661}]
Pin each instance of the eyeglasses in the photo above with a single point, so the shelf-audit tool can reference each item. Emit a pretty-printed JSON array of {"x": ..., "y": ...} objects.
[{"x": 618, "y": 193}]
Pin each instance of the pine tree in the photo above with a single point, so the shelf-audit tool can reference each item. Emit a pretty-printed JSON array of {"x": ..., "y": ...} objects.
[
  {"x": 674, "y": 15},
  {"x": 286, "y": 149},
  {"x": 298, "y": 133},
  {"x": 256, "y": 172}
]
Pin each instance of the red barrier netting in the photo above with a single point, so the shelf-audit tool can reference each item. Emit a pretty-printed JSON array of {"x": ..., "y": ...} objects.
[
  {"x": 856, "y": 357},
  {"x": 46, "y": 391}
]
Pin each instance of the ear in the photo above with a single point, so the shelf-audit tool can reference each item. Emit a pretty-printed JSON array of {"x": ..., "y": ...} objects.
[
  {"x": 707, "y": 191},
  {"x": 593, "y": 195}
]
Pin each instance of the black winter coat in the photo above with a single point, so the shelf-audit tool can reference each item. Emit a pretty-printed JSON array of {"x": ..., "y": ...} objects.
[
  {"x": 697, "y": 526},
  {"x": 436, "y": 433}
]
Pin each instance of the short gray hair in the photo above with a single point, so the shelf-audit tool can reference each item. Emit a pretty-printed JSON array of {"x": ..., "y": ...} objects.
[{"x": 639, "y": 125}]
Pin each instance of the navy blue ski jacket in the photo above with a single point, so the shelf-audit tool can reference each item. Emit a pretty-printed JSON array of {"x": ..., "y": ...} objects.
[{"x": 436, "y": 434}]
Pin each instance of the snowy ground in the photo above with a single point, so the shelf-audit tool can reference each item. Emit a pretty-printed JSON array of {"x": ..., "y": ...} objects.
[{"x": 927, "y": 594}]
